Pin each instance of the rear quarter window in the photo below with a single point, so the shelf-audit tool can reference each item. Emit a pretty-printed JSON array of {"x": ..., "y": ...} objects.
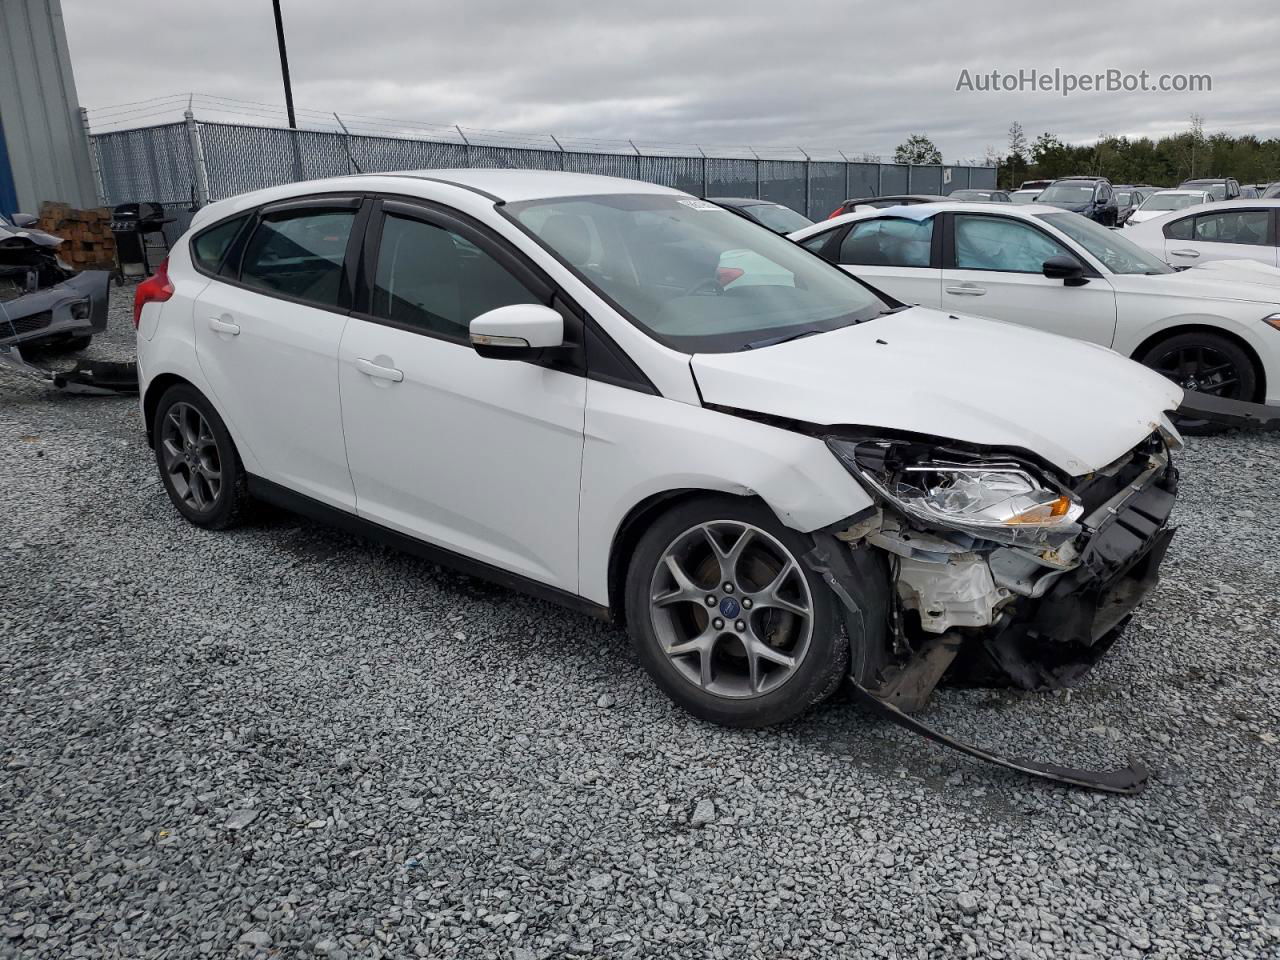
[{"x": 210, "y": 246}]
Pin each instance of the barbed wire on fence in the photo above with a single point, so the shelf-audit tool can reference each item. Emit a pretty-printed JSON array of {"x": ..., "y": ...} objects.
[
  {"x": 214, "y": 108},
  {"x": 186, "y": 163}
]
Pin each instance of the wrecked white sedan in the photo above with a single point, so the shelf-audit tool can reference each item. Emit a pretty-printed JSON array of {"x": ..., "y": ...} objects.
[{"x": 631, "y": 401}]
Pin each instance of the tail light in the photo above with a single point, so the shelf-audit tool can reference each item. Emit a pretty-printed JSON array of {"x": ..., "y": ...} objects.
[
  {"x": 836, "y": 212},
  {"x": 155, "y": 289}
]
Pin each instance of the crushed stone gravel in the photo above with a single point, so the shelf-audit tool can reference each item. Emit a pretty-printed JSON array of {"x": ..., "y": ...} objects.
[{"x": 281, "y": 741}]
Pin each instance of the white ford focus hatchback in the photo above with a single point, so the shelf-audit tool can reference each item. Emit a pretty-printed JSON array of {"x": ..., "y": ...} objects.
[{"x": 631, "y": 401}]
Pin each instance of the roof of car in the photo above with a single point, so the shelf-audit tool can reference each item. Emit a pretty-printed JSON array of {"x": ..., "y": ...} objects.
[
  {"x": 516, "y": 185},
  {"x": 941, "y": 206}
]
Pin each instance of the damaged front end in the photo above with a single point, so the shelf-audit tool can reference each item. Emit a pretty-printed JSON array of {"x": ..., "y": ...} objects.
[
  {"x": 1021, "y": 576},
  {"x": 1000, "y": 572}
]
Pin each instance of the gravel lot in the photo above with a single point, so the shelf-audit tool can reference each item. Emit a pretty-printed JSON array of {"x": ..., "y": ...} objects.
[{"x": 282, "y": 741}]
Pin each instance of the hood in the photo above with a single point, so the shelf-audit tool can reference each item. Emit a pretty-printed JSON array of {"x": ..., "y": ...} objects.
[
  {"x": 1077, "y": 405},
  {"x": 1245, "y": 281}
]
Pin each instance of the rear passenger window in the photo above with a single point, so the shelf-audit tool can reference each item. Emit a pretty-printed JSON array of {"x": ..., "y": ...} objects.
[
  {"x": 1236, "y": 226},
  {"x": 300, "y": 255},
  {"x": 209, "y": 247},
  {"x": 890, "y": 242},
  {"x": 433, "y": 280}
]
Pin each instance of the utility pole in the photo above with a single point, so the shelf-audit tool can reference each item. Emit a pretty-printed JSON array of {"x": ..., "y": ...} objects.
[{"x": 284, "y": 65}]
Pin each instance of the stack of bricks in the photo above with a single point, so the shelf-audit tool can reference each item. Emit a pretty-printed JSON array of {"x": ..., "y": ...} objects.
[{"x": 89, "y": 243}]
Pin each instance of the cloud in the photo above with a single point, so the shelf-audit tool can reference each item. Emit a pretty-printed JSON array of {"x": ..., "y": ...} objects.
[{"x": 856, "y": 76}]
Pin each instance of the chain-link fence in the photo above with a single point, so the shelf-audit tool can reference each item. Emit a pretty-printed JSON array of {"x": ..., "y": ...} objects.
[{"x": 183, "y": 165}]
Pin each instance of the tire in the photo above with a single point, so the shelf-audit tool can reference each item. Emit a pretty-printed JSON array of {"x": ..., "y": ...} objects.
[
  {"x": 1175, "y": 358},
  {"x": 747, "y": 681},
  {"x": 192, "y": 447}
]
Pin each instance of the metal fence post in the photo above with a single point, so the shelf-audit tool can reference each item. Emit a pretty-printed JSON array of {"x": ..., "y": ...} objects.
[
  {"x": 94, "y": 164},
  {"x": 704, "y": 171},
  {"x": 757, "y": 156},
  {"x": 879, "y": 179},
  {"x": 465, "y": 143},
  {"x": 560, "y": 148},
  {"x": 846, "y": 174},
  {"x": 808, "y": 173},
  {"x": 197, "y": 158}
]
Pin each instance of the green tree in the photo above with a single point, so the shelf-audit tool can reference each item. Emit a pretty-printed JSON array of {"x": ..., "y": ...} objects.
[{"x": 917, "y": 148}]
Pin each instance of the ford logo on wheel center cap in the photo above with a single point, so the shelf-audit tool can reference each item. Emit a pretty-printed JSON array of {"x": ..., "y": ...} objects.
[{"x": 729, "y": 607}]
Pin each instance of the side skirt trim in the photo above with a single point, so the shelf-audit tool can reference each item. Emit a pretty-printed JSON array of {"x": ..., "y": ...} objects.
[{"x": 281, "y": 496}]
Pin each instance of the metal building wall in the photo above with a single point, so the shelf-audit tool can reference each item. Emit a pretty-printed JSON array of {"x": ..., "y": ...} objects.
[{"x": 48, "y": 150}]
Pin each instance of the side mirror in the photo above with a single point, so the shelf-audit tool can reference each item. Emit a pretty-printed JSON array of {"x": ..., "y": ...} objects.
[
  {"x": 1067, "y": 269},
  {"x": 517, "y": 332},
  {"x": 24, "y": 220}
]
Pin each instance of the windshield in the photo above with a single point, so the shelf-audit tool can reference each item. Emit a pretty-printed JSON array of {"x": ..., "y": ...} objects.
[
  {"x": 1216, "y": 190},
  {"x": 1172, "y": 201},
  {"x": 1123, "y": 198},
  {"x": 778, "y": 218},
  {"x": 1065, "y": 192},
  {"x": 970, "y": 195},
  {"x": 694, "y": 276},
  {"x": 1118, "y": 254},
  {"x": 1024, "y": 196}
]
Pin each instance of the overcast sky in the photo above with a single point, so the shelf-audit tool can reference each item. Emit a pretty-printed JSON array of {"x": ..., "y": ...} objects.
[{"x": 819, "y": 73}]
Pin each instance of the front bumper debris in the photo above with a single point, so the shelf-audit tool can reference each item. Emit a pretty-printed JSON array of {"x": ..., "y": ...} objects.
[
  {"x": 973, "y": 611},
  {"x": 1238, "y": 414},
  {"x": 97, "y": 378},
  {"x": 75, "y": 307}
]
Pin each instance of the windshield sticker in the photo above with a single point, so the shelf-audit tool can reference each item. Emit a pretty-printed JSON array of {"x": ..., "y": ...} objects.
[{"x": 699, "y": 204}]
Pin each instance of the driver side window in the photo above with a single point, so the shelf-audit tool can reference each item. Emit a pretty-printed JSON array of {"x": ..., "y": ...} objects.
[
  {"x": 888, "y": 242},
  {"x": 998, "y": 243}
]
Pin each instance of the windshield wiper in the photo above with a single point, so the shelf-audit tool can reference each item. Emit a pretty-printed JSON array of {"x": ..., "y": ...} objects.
[
  {"x": 773, "y": 341},
  {"x": 892, "y": 310}
]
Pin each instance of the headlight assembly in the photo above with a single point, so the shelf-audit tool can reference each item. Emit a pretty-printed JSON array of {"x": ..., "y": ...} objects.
[
  {"x": 1000, "y": 500},
  {"x": 1273, "y": 320}
]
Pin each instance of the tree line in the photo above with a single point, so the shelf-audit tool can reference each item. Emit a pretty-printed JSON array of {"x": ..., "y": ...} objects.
[{"x": 1164, "y": 162}]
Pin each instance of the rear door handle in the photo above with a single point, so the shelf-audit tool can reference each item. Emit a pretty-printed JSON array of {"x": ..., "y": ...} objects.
[
  {"x": 224, "y": 326},
  {"x": 968, "y": 290},
  {"x": 371, "y": 369},
  {"x": 1185, "y": 253}
]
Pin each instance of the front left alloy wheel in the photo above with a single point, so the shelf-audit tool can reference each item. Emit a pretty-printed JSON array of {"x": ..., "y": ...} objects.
[{"x": 727, "y": 618}]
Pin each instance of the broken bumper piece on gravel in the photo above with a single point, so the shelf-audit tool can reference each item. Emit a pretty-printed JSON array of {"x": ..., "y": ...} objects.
[
  {"x": 97, "y": 378},
  {"x": 1237, "y": 414}
]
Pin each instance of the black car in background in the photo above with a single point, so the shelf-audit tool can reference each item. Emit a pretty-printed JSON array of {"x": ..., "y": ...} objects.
[
  {"x": 1220, "y": 188},
  {"x": 777, "y": 217},
  {"x": 881, "y": 202},
  {"x": 1092, "y": 197},
  {"x": 982, "y": 196}
]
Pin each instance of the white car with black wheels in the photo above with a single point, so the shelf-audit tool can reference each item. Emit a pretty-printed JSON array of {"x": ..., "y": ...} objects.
[
  {"x": 636, "y": 403},
  {"x": 1214, "y": 329}
]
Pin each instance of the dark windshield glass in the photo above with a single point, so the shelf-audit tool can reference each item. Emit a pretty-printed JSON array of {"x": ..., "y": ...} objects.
[
  {"x": 1216, "y": 190},
  {"x": 1117, "y": 253},
  {"x": 779, "y": 218},
  {"x": 1065, "y": 192},
  {"x": 693, "y": 275}
]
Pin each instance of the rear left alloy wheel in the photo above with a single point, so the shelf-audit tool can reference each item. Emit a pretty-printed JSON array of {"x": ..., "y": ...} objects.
[
  {"x": 728, "y": 619},
  {"x": 198, "y": 462}
]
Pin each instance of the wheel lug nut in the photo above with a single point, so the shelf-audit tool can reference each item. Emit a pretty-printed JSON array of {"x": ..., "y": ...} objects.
[
  {"x": 746, "y": 603},
  {"x": 718, "y": 623},
  {"x": 740, "y": 626},
  {"x": 728, "y": 588},
  {"x": 711, "y": 601}
]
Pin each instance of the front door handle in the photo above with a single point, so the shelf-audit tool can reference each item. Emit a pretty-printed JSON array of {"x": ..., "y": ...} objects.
[
  {"x": 1185, "y": 253},
  {"x": 968, "y": 290},
  {"x": 224, "y": 326},
  {"x": 376, "y": 370}
]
